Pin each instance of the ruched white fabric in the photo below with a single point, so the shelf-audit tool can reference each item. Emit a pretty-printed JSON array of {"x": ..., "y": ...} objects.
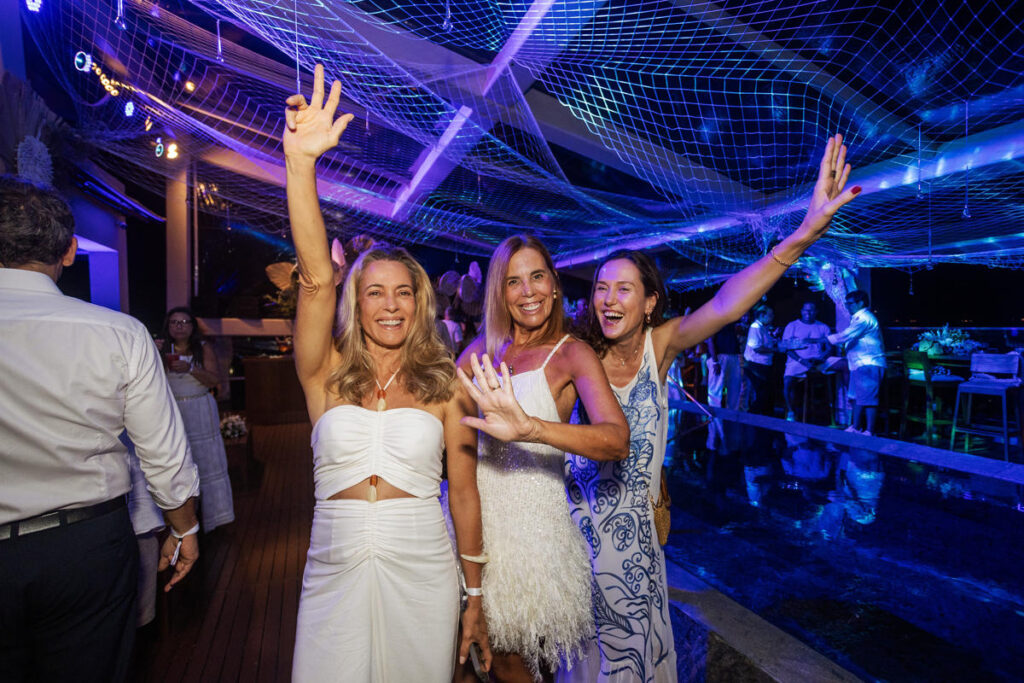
[
  {"x": 401, "y": 446},
  {"x": 380, "y": 595},
  {"x": 537, "y": 582},
  {"x": 380, "y": 592}
]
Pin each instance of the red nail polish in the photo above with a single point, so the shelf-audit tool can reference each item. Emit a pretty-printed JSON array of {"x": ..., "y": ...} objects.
[{"x": 856, "y": 189}]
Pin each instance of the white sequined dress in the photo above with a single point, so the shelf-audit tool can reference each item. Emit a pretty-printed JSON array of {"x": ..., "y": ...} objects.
[{"x": 537, "y": 583}]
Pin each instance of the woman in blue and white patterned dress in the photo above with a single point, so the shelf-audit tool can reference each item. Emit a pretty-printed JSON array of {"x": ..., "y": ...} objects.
[{"x": 611, "y": 501}]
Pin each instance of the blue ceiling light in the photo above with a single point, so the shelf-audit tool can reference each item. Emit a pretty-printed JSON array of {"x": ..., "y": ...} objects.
[
  {"x": 129, "y": 109},
  {"x": 34, "y": 5},
  {"x": 83, "y": 61}
]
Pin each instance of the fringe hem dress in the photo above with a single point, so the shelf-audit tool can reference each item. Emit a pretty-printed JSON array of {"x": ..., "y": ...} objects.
[{"x": 537, "y": 582}]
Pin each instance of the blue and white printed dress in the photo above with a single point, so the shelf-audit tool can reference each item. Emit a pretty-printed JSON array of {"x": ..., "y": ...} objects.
[{"x": 610, "y": 503}]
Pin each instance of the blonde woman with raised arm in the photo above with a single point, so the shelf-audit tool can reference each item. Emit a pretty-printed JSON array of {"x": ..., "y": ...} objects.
[{"x": 380, "y": 592}]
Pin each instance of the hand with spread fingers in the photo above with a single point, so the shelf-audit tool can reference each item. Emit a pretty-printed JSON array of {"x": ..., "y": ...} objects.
[
  {"x": 311, "y": 129},
  {"x": 503, "y": 417},
  {"x": 829, "y": 193}
]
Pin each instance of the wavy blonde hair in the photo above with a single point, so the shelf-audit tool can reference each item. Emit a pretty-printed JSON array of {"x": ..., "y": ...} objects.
[
  {"x": 428, "y": 371},
  {"x": 497, "y": 319}
]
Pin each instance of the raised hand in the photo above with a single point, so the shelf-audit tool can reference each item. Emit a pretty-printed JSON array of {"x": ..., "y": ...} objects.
[
  {"x": 311, "y": 129},
  {"x": 503, "y": 417},
  {"x": 829, "y": 191}
]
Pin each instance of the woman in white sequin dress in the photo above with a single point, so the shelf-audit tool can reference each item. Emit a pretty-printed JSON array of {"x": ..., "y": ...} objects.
[
  {"x": 536, "y": 584},
  {"x": 611, "y": 502}
]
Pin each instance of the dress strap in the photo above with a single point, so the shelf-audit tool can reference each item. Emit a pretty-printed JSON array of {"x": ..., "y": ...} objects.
[{"x": 554, "y": 351}]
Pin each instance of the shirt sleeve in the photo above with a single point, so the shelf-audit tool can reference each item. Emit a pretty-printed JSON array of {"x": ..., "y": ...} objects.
[
  {"x": 858, "y": 326},
  {"x": 154, "y": 425}
]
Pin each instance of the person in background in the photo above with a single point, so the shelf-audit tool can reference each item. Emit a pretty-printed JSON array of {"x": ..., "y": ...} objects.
[
  {"x": 75, "y": 376},
  {"x": 725, "y": 378},
  {"x": 452, "y": 321},
  {"x": 758, "y": 355},
  {"x": 192, "y": 374},
  {"x": 806, "y": 349},
  {"x": 865, "y": 354}
]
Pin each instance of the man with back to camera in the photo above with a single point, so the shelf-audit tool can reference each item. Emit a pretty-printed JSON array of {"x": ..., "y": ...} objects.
[
  {"x": 865, "y": 355},
  {"x": 75, "y": 376}
]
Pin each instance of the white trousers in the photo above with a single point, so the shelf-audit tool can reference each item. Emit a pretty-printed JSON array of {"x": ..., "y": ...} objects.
[{"x": 380, "y": 594}]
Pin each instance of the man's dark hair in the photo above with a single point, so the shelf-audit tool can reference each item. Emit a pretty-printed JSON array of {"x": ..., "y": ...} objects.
[
  {"x": 858, "y": 296},
  {"x": 36, "y": 225},
  {"x": 760, "y": 309}
]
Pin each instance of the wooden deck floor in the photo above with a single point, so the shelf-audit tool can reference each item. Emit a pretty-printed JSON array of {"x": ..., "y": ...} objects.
[{"x": 233, "y": 618}]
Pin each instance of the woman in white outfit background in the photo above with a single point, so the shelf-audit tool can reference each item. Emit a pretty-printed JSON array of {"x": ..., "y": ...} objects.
[{"x": 380, "y": 597}]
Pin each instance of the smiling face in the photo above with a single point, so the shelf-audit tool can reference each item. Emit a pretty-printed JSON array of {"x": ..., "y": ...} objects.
[
  {"x": 618, "y": 300},
  {"x": 529, "y": 289},
  {"x": 387, "y": 303}
]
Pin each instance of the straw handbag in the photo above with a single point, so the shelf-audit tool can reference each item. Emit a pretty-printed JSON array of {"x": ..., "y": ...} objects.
[{"x": 662, "y": 513}]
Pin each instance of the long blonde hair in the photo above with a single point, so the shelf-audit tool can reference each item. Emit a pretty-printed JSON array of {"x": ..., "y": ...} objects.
[
  {"x": 428, "y": 369},
  {"x": 497, "y": 319}
]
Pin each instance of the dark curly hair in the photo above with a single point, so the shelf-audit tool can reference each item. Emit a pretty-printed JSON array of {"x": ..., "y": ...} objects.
[
  {"x": 36, "y": 225},
  {"x": 652, "y": 283}
]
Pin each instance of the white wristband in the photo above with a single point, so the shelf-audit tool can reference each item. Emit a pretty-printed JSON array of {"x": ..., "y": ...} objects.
[
  {"x": 177, "y": 548},
  {"x": 193, "y": 530},
  {"x": 474, "y": 592}
]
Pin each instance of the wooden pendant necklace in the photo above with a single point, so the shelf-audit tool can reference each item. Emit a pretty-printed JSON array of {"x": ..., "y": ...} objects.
[{"x": 382, "y": 391}]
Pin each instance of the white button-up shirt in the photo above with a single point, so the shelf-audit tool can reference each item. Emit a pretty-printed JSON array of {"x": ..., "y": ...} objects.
[
  {"x": 73, "y": 377},
  {"x": 863, "y": 339}
]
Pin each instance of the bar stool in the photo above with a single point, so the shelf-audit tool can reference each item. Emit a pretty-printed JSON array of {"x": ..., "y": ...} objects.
[
  {"x": 815, "y": 382},
  {"x": 920, "y": 373},
  {"x": 995, "y": 375}
]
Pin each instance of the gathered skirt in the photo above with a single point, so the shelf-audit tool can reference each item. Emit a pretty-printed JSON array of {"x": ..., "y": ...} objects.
[
  {"x": 380, "y": 594},
  {"x": 202, "y": 425}
]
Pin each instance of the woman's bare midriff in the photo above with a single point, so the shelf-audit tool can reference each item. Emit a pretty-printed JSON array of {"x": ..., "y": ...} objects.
[{"x": 361, "y": 491}]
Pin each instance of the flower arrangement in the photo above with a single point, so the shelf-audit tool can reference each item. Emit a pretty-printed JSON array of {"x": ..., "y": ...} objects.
[
  {"x": 232, "y": 426},
  {"x": 947, "y": 340}
]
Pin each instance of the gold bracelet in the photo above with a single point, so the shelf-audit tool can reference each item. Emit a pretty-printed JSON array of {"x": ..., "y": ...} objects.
[{"x": 780, "y": 261}]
